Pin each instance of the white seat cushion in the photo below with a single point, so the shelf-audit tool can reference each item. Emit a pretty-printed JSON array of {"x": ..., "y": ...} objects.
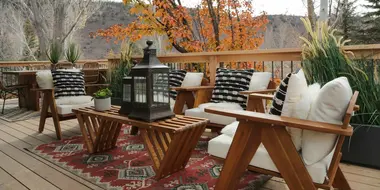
[
  {"x": 67, "y": 109},
  {"x": 220, "y": 145},
  {"x": 230, "y": 129},
  {"x": 218, "y": 119},
  {"x": 66, "y": 104}
]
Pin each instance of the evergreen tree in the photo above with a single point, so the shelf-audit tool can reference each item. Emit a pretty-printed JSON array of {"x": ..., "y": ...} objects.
[
  {"x": 349, "y": 20},
  {"x": 370, "y": 31}
]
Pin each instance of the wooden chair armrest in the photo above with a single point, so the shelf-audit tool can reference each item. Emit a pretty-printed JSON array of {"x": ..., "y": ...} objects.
[
  {"x": 96, "y": 85},
  {"x": 283, "y": 121},
  {"x": 42, "y": 90},
  {"x": 261, "y": 96},
  {"x": 258, "y": 91},
  {"x": 192, "y": 89}
]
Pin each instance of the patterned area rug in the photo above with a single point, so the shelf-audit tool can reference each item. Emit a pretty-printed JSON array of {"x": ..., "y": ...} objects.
[{"x": 130, "y": 167}]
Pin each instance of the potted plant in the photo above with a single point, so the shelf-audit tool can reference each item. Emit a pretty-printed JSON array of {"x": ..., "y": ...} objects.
[
  {"x": 54, "y": 53},
  {"x": 103, "y": 99},
  {"x": 324, "y": 59},
  {"x": 72, "y": 53},
  {"x": 121, "y": 70}
]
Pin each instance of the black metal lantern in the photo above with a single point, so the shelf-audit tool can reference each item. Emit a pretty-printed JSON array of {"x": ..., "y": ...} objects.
[
  {"x": 150, "y": 88},
  {"x": 127, "y": 97}
]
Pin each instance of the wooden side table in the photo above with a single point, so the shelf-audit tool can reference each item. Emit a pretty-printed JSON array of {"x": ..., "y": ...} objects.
[{"x": 169, "y": 141}]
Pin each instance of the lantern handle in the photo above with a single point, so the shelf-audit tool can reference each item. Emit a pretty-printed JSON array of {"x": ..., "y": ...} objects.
[{"x": 149, "y": 43}]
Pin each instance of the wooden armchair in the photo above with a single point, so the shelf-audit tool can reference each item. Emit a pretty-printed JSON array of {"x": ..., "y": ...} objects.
[
  {"x": 192, "y": 96},
  {"x": 59, "y": 112},
  {"x": 195, "y": 96},
  {"x": 258, "y": 128},
  {"x": 92, "y": 77},
  {"x": 16, "y": 90},
  {"x": 58, "y": 108}
]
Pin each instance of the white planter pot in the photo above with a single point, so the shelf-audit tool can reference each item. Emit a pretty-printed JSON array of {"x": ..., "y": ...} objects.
[{"x": 103, "y": 104}]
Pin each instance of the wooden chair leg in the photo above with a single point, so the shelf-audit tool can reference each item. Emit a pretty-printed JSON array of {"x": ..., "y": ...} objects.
[
  {"x": 44, "y": 112},
  {"x": 282, "y": 151},
  {"x": 182, "y": 99},
  {"x": 244, "y": 145},
  {"x": 53, "y": 109},
  {"x": 340, "y": 181},
  {"x": 4, "y": 98},
  {"x": 134, "y": 130}
]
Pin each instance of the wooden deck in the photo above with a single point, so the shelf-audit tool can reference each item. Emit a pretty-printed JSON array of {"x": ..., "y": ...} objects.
[{"x": 20, "y": 169}]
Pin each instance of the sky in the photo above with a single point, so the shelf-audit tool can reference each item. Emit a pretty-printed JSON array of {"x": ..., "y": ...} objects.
[{"x": 288, "y": 7}]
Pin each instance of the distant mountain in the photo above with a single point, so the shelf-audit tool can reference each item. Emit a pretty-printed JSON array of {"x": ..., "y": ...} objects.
[{"x": 282, "y": 30}]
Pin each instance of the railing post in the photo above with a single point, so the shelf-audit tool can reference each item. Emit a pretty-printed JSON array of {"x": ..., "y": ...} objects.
[{"x": 212, "y": 66}]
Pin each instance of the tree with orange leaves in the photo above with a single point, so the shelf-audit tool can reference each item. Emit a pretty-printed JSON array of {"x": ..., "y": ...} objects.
[{"x": 214, "y": 25}]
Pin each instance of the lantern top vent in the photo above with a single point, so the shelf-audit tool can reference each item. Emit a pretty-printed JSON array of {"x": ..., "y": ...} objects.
[{"x": 150, "y": 60}]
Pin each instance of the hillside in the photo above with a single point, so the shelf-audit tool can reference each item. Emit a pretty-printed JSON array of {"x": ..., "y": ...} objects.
[{"x": 282, "y": 31}]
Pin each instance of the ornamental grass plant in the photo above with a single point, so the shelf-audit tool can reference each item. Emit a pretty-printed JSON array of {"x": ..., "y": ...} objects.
[
  {"x": 72, "y": 53},
  {"x": 324, "y": 59},
  {"x": 54, "y": 52}
]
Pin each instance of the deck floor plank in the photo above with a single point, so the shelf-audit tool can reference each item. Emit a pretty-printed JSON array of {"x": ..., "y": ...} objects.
[
  {"x": 8, "y": 182},
  {"x": 16, "y": 151},
  {"x": 23, "y": 174}
]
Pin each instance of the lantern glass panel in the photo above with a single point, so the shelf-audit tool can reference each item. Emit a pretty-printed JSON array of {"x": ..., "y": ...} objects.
[
  {"x": 160, "y": 89},
  {"x": 140, "y": 89},
  {"x": 127, "y": 92}
]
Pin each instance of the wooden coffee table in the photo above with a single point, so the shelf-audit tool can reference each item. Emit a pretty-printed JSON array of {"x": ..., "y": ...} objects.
[{"x": 169, "y": 141}]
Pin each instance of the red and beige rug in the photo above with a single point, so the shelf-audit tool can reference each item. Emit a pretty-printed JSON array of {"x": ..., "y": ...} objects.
[{"x": 129, "y": 166}]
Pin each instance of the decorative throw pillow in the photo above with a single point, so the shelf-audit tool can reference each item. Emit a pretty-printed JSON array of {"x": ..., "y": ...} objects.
[
  {"x": 68, "y": 83},
  {"x": 192, "y": 79},
  {"x": 175, "y": 80},
  {"x": 329, "y": 106},
  {"x": 296, "y": 85},
  {"x": 229, "y": 83},
  {"x": 44, "y": 79},
  {"x": 279, "y": 96},
  {"x": 260, "y": 80}
]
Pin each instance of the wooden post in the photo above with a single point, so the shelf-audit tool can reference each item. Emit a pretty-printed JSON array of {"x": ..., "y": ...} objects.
[{"x": 212, "y": 66}]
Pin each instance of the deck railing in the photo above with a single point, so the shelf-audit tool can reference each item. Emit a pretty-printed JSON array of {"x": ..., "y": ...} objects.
[{"x": 277, "y": 61}]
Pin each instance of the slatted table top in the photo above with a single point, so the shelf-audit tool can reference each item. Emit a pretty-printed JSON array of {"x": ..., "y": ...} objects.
[{"x": 171, "y": 125}]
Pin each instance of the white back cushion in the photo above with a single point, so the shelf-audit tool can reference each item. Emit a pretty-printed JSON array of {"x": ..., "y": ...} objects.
[
  {"x": 296, "y": 86},
  {"x": 44, "y": 79},
  {"x": 192, "y": 79},
  {"x": 329, "y": 106},
  {"x": 302, "y": 109},
  {"x": 260, "y": 80}
]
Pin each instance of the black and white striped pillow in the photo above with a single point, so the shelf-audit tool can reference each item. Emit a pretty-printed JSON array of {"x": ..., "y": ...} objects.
[
  {"x": 175, "y": 80},
  {"x": 279, "y": 96},
  {"x": 68, "y": 83},
  {"x": 229, "y": 83}
]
